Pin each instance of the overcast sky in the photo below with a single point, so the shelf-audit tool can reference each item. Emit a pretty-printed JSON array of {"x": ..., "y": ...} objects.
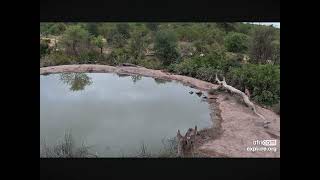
[{"x": 275, "y": 24}]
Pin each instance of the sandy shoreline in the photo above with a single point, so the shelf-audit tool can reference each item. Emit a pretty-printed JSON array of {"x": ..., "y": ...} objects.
[{"x": 235, "y": 125}]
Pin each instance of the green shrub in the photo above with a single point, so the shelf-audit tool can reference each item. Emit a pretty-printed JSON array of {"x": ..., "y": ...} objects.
[
  {"x": 236, "y": 42},
  {"x": 56, "y": 58},
  {"x": 44, "y": 48},
  {"x": 205, "y": 67},
  {"x": 90, "y": 57},
  {"x": 166, "y": 47},
  {"x": 116, "y": 39},
  {"x": 207, "y": 73},
  {"x": 150, "y": 63},
  {"x": 118, "y": 56},
  {"x": 123, "y": 29},
  {"x": 263, "y": 81},
  {"x": 152, "y": 26},
  {"x": 52, "y": 28}
]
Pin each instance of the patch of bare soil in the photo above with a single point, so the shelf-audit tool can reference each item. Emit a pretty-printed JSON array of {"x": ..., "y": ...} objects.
[{"x": 235, "y": 126}]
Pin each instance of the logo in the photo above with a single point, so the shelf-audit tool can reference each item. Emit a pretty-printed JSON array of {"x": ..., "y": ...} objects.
[{"x": 269, "y": 142}]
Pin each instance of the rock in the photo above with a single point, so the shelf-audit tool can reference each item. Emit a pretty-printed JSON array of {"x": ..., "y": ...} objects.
[
  {"x": 266, "y": 124},
  {"x": 199, "y": 93}
]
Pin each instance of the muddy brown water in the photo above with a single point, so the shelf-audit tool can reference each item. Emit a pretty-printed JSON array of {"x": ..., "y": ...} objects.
[{"x": 116, "y": 114}]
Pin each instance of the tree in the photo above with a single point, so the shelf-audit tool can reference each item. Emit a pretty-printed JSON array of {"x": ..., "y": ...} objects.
[
  {"x": 123, "y": 29},
  {"x": 92, "y": 28},
  {"x": 276, "y": 52},
  {"x": 227, "y": 27},
  {"x": 99, "y": 42},
  {"x": 261, "y": 48},
  {"x": 116, "y": 39},
  {"x": 74, "y": 36},
  {"x": 52, "y": 28},
  {"x": 153, "y": 26},
  {"x": 137, "y": 45},
  {"x": 166, "y": 46},
  {"x": 236, "y": 42}
]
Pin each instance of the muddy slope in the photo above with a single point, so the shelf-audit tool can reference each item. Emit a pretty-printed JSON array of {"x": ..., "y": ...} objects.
[{"x": 236, "y": 125}]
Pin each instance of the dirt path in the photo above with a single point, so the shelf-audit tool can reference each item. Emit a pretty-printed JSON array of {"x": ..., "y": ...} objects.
[{"x": 235, "y": 127}]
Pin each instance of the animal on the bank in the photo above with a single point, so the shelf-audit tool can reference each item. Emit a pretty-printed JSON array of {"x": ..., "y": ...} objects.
[
  {"x": 186, "y": 144},
  {"x": 246, "y": 91}
]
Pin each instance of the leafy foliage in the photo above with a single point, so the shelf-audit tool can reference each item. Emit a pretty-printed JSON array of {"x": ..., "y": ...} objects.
[
  {"x": 236, "y": 42},
  {"x": 166, "y": 47}
]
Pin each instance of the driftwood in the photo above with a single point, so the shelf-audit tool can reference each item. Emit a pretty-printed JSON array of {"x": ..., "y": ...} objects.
[
  {"x": 223, "y": 84},
  {"x": 186, "y": 143}
]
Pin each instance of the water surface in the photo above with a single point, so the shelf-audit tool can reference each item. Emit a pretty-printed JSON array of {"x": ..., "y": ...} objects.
[{"x": 117, "y": 113}]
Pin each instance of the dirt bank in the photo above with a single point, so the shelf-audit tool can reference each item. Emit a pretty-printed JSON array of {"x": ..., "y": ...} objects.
[{"x": 235, "y": 125}]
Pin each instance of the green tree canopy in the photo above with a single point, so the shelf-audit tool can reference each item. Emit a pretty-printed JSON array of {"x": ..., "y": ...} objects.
[
  {"x": 99, "y": 42},
  {"x": 74, "y": 36}
]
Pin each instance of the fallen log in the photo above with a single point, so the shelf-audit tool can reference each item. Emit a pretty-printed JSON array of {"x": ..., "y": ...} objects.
[{"x": 223, "y": 84}]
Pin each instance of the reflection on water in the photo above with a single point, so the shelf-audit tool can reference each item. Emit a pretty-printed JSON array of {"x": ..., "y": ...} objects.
[
  {"x": 136, "y": 78},
  {"x": 76, "y": 81},
  {"x": 114, "y": 115},
  {"x": 161, "y": 81}
]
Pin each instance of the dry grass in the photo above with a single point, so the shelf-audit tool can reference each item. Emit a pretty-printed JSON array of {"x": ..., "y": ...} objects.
[{"x": 65, "y": 149}]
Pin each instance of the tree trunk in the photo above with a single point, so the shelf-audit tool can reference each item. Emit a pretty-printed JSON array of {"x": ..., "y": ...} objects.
[
  {"x": 243, "y": 95},
  {"x": 74, "y": 48}
]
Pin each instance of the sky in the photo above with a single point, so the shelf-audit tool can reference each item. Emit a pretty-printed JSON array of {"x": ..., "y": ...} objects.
[{"x": 275, "y": 24}]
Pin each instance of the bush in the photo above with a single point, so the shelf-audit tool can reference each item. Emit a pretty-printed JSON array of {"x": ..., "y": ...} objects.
[
  {"x": 118, "y": 56},
  {"x": 261, "y": 48},
  {"x": 207, "y": 73},
  {"x": 90, "y": 57},
  {"x": 152, "y": 26},
  {"x": 236, "y": 42},
  {"x": 115, "y": 39},
  {"x": 204, "y": 67},
  {"x": 263, "y": 81},
  {"x": 137, "y": 46},
  {"x": 166, "y": 47},
  {"x": 151, "y": 63},
  {"x": 55, "y": 59},
  {"x": 123, "y": 29},
  {"x": 44, "y": 48},
  {"x": 52, "y": 28}
]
